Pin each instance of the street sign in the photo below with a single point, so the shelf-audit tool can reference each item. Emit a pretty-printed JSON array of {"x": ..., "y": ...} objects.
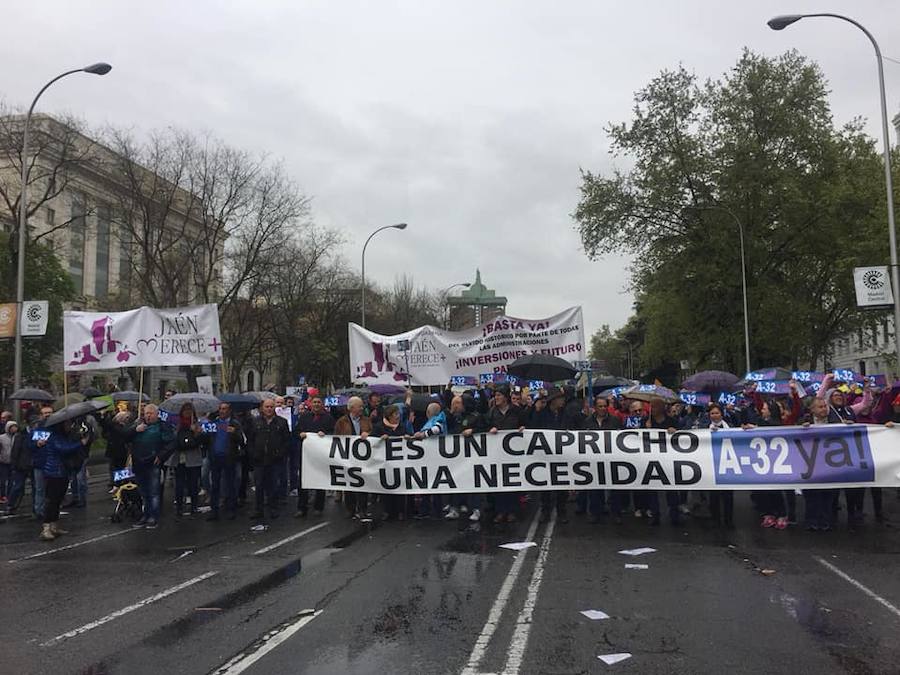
[
  {"x": 873, "y": 286},
  {"x": 35, "y": 314}
]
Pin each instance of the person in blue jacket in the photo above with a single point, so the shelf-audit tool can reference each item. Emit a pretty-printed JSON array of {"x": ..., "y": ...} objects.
[{"x": 64, "y": 439}]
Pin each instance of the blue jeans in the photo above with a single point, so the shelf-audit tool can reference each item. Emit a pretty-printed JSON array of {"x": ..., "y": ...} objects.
[
  {"x": 38, "y": 502},
  {"x": 147, "y": 478},
  {"x": 79, "y": 484},
  {"x": 221, "y": 471},
  {"x": 17, "y": 488},
  {"x": 5, "y": 479}
]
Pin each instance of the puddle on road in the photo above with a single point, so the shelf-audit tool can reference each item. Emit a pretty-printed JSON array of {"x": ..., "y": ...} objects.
[{"x": 180, "y": 628}]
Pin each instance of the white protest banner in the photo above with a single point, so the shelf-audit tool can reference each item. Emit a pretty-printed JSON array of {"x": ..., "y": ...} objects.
[
  {"x": 145, "y": 336},
  {"x": 777, "y": 458},
  {"x": 435, "y": 354},
  {"x": 205, "y": 384}
]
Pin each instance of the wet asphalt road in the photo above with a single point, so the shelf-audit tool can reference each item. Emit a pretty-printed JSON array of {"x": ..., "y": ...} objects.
[{"x": 437, "y": 597}]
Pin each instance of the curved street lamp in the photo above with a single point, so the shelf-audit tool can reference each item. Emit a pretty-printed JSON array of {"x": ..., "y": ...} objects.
[
  {"x": 446, "y": 294},
  {"x": 782, "y": 22},
  {"x": 93, "y": 69},
  {"x": 398, "y": 226}
]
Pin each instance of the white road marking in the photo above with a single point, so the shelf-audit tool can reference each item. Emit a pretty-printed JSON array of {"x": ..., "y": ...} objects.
[
  {"x": 523, "y": 623},
  {"x": 126, "y": 610},
  {"x": 10, "y": 516},
  {"x": 183, "y": 555},
  {"x": 266, "y": 644},
  {"x": 846, "y": 577},
  {"x": 496, "y": 613},
  {"x": 75, "y": 545},
  {"x": 286, "y": 540}
]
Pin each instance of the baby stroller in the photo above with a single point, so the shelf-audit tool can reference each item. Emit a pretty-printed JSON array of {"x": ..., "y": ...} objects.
[{"x": 126, "y": 496}]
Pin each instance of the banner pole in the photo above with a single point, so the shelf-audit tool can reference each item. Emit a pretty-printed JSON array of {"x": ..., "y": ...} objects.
[{"x": 141, "y": 394}]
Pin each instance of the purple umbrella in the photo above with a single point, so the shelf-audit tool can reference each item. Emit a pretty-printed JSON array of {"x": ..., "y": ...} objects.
[
  {"x": 388, "y": 389},
  {"x": 711, "y": 382}
]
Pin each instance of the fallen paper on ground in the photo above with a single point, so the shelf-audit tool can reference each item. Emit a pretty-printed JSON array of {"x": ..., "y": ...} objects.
[
  {"x": 259, "y": 528},
  {"x": 610, "y": 659},
  {"x": 638, "y": 551},
  {"x": 518, "y": 545},
  {"x": 595, "y": 614},
  {"x": 636, "y": 566}
]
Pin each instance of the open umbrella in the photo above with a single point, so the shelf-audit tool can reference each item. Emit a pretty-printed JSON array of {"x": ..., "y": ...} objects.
[
  {"x": 419, "y": 402},
  {"x": 203, "y": 404},
  {"x": 68, "y": 399},
  {"x": 31, "y": 394},
  {"x": 260, "y": 395},
  {"x": 609, "y": 381},
  {"x": 70, "y": 412},
  {"x": 129, "y": 396},
  {"x": 362, "y": 392},
  {"x": 91, "y": 392},
  {"x": 541, "y": 367},
  {"x": 239, "y": 402},
  {"x": 650, "y": 392},
  {"x": 615, "y": 392},
  {"x": 766, "y": 374},
  {"x": 711, "y": 382},
  {"x": 388, "y": 389}
]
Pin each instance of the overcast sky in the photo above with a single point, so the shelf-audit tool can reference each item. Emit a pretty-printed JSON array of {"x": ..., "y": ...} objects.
[{"x": 467, "y": 119}]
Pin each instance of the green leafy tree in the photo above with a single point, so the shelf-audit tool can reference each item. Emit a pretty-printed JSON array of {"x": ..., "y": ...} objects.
[
  {"x": 759, "y": 143},
  {"x": 45, "y": 279}
]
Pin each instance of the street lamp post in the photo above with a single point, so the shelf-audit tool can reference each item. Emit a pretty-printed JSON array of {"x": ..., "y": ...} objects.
[
  {"x": 725, "y": 209},
  {"x": 398, "y": 226},
  {"x": 93, "y": 69},
  {"x": 446, "y": 294},
  {"x": 782, "y": 22}
]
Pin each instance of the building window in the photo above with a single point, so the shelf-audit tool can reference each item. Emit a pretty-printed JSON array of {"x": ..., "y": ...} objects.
[
  {"x": 76, "y": 242},
  {"x": 251, "y": 381},
  {"x": 125, "y": 261},
  {"x": 101, "y": 276},
  {"x": 51, "y": 218}
]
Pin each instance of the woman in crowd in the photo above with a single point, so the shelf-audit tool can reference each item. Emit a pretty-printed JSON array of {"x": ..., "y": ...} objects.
[
  {"x": 391, "y": 425},
  {"x": 187, "y": 459},
  {"x": 721, "y": 502},
  {"x": 66, "y": 439}
]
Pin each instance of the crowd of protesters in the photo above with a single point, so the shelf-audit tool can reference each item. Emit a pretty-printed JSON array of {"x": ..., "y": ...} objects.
[{"x": 217, "y": 461}]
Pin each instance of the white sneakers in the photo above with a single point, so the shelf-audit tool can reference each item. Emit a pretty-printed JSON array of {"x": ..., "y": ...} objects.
[
  {"x": 452, "y": 514},
  {"x": 476, "y": 515}
]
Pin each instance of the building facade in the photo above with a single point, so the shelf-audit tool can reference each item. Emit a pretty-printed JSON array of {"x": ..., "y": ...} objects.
[{"x": 77, "y": 199}]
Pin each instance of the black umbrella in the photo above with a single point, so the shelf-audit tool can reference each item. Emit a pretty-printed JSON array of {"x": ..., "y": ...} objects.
[
  {"x": 129, "y": 396},
  {"x": 711, "y": 382},
  {"x": 30, "y": 394},
  {"x": 541, "y": 367},
  {"x": 610, "y": 381},
  {"x": 203, "y": 403},
  {"x": 239, "y": 402},
  {"x": 418, "y": 402},
  {"x": 70, "y": 412},
  {"x": 91, "y": 392}
]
